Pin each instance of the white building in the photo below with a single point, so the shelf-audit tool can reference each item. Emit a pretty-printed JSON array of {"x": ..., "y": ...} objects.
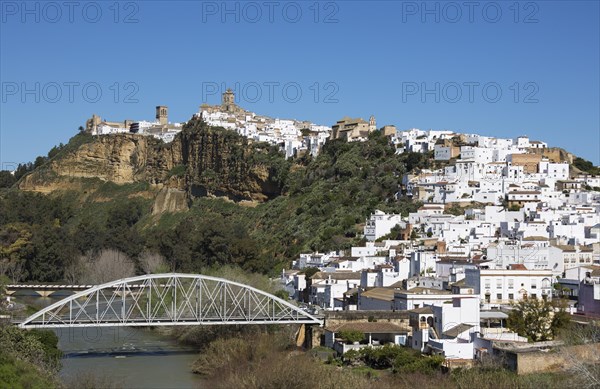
[
  {"x": 449, "y": 328},
  {"x": 505, "y": 286},
  {"x": 380, "y": 224},
  {"x": 327, "y": 289}
]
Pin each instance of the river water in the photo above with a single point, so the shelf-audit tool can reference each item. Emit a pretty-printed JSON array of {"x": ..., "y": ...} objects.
[{"x": 126, "y": 357}]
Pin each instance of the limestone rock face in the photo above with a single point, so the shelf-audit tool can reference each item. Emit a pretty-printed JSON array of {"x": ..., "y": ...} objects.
[
  {"x": 221, "y": 163},
  {"x": 201, "y": 161}
]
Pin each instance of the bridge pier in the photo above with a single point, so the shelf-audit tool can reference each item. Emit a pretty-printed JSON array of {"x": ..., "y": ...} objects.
[
  {"x": 309, "y": 336},
  {"x": 44, "y": 293}
]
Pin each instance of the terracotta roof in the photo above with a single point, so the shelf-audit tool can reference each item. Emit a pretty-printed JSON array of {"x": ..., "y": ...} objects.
[
  {"x": 595, "y": 271},
  {"x": 386, "y": 294},
  {"x": 517, "y": 266},
  {"x": 368, "y": 327},
  {"x": 397, "y": 284},
  {"x": 460, "y": 283},
  {"x": 460, "y": 260},
  {"x": 426, "y": 291},
  {"x": 457, "y": 330},
  {"x": 344, "y": 259},
  {"x": 565, "y": 247},
  {"x": 351, "y": 292},
  {"x": 338, "y": 275},
  {"x": 423, "y": 310},
  {"x": 524, "y": 192}
]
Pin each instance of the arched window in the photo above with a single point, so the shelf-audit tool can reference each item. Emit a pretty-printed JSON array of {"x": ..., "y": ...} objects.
[{"x": 545, "y": 283}]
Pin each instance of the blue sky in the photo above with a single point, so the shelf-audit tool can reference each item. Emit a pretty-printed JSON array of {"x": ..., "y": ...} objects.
[{"x": 497, "y": 68}]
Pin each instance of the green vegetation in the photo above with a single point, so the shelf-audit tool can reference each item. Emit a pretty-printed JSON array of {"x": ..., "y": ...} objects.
[
  {"x": 537, "y": 319},
  {"x": 324, "y": 202},
  {"x": 28, "y": 359},
  {"x": 351, "y": 336},
  {"x": 55, "y": 152},
  {"x": 455, "y": 210},
  {"x": 177, "y": 171},
  {"x": 395, "y": 233},
  {"x": 400, "y": 359},
  {"x": 6, "y": 179},
  {"x": 267, "y": 360},
  {"x": 586, "y": 166}
]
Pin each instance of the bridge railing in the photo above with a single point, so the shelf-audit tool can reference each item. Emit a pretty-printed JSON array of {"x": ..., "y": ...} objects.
[{"x": 168, "y": 299}]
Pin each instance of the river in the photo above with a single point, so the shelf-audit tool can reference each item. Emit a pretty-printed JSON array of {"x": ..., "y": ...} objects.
[{"x": 126, "y": 357}]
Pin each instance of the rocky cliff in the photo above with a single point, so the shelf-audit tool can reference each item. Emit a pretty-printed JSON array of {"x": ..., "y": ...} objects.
[{"x": 201, "y": 161}]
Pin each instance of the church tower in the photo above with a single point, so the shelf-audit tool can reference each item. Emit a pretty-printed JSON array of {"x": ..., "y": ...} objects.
[
  {"x": 228, "y": 101},
  {"x": 161, "y": 115},
  {"x": 372, "y": 124}
]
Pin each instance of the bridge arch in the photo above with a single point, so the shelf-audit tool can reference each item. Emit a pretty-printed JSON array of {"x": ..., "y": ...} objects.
[{"x": 168, "y": 299}]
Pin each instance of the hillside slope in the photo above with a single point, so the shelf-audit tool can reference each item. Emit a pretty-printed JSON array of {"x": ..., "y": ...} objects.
[
  {"x": 201, "y": 160},
  {"x": 307, "y": 204}
]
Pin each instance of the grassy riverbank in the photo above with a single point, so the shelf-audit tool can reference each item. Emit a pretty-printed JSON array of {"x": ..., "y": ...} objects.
[{"x": 267, "y": 360}]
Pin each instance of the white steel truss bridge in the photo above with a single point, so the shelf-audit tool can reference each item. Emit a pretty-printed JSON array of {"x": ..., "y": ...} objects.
[{"x": 167, "y": 300}]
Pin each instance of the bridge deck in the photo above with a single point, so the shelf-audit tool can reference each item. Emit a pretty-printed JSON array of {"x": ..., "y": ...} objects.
[{"x": 165, "y": 300}]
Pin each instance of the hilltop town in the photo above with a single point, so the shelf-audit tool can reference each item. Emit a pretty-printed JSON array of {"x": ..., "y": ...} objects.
[
  {"x": 294, "y": 137},
  {"x": 502, "y": 221},
  {"x": 491, "y": 222}
]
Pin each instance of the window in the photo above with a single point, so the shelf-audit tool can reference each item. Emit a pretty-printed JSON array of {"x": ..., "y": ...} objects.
[
  {"x": 499, "y": 284},
  {"x": 534, "y": 296},
  {"x": 511, "y": 283},
  {"x": 511, "y": 296},
  {"x": 533, "y": 284},
  {"x": 499, "y": 296}
]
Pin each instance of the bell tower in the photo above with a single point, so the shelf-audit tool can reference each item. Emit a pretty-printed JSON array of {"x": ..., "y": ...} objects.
[
  {"x": 372, "y": 124},
  {"x": 228, "y": 101},
  {"x": 162, "y": 114}
]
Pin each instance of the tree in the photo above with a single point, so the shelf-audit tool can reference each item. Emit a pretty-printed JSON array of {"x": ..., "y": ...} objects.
[
  {"x": 586, "y": 166},
  {"x": 351, "y": 336},
  {"x": 109, "y": 265},
  {"x": 3, "y": 302},
  {"x": 537, "y": 320},
  {"x": 7, "y": 179},
  {"x": 310, "y": 271},
  {"x": 586, "y": 370},
  {"x": 47, "y": 253},
  {"x": 414, "y": 235},
  {"x": 152, "y": 263}
]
